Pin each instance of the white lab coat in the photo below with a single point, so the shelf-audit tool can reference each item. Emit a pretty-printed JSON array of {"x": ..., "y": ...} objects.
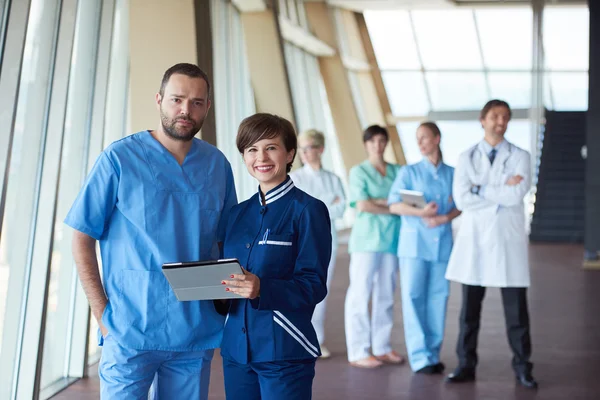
[
  {"x": 325, "y": 186},
  {"x": 491, "y": 247}
]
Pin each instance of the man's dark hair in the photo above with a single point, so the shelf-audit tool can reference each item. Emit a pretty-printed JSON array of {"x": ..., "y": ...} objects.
[
  {"x": 494, "y": 103},
  {"x": 191, "y": 70},
  {"x": 373, "y": 130}
]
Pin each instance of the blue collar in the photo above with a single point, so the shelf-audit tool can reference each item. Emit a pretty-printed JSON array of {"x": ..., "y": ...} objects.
[
  {"x": 277, "y": 192},
  {"x": 149, "y": 140}
]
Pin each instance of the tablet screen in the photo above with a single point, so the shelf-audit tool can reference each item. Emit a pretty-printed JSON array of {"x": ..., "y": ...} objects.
[{"x": 201, "y": 280}]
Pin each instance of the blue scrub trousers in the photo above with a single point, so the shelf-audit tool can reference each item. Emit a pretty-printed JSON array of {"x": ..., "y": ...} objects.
[
  {"x": 128, "y": 373},
  {"x": 289, "y": 380},
  {"x": 424, "y": 297}
]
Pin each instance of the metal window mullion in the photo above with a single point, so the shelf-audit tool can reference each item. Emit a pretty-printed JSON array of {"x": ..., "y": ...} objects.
[
  {"x": 302, "y": 19},
  {"x": 102, "y": 83},
  {"x": 420, "y": 58},
  {"x": 219, "y": 81},
  {"x": 308, "y": 88},
  {"x": 537, "y": 96},
  {"x": 473, "y": 70},
  {"x": 81, "y": 313},
  {"x": 483, "y": 64},
  {"x": 13, "y": 47},
  {"x": 4, "y": 14},
  {"x": 245, "y": 181},
  {"x": 340, "y": 30},
  {"x": 76, "y": 359},
  {"x": 344, "y": 49},
  {"x": 550, "y": 92},
  {"x": 116, "y": 102},
  {"x": 15, "y": 33},
  {"x": 292, "y": 11},
  {"x": 71, "y": 279},
  {"x": 39, "y": 259},
  {"x": 546, "y": 76},
  {"x": 28, "y": 371}
]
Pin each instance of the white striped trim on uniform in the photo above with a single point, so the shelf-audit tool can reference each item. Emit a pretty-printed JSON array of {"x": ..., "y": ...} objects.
[
  {"x": 274, "y": 193},
  {"x": 275, "y": 243},
  {"x": 277, "y": 194},
  {"x": 295, "y": 333}
]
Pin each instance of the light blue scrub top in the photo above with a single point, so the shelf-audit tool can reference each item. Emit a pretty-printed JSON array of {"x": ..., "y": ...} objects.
[
  {"x": 145, "y": 210},
  {"x": 417, "y": 240}
]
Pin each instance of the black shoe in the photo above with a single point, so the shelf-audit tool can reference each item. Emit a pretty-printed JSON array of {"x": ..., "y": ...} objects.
[
  {"x": 461, "y": 375},
  {"x": 439, "y": 368},
  {"x": 525, "y": 379},
  {"x": 431, "y": 369},
  {"x": 427, "y": 370}
]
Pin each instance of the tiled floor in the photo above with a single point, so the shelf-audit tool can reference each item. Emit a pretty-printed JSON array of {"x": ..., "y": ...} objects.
[{"x": 564, "y": 305}]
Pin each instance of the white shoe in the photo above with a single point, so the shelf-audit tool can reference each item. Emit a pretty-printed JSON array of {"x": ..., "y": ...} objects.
[{"x": 325, "y": 353}]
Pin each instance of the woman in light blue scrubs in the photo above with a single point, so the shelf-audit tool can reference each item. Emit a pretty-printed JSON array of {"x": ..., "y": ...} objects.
[{"x": 424, "y": 250}]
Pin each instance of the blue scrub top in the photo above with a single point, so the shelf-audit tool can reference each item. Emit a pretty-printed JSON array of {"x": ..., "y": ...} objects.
[
  {"x": 145, "y": 210},
  {"x": 417, "y": 240},
  {"x": 287, "y": 244}
]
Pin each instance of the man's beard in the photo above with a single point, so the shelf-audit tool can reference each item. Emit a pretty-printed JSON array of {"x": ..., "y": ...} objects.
[{"x": 185, "y": 135}]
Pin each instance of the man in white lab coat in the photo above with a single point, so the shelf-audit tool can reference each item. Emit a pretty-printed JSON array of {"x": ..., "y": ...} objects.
[{"x": 491, "y": 247}]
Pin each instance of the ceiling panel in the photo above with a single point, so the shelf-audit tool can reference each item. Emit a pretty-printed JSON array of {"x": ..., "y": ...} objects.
[
  {"x": 361, "y": 5},
  {"x": 393, "y": 39},
  {"x": 447, "y": 39}
]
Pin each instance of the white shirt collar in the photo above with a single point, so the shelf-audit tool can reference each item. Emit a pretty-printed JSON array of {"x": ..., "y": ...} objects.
[{"x": 487, "y": 148}]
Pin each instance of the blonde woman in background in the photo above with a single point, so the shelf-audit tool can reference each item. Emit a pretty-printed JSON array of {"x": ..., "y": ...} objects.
[{"x": 327, "y": 187}]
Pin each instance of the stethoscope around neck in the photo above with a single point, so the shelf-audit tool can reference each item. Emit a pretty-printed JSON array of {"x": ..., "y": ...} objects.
[{"x": 476, "y": 149}]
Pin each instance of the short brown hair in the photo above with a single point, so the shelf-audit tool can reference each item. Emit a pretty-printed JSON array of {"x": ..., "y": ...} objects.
[
  {"x": 494, "y": 103},
  {"x": 373, "y": 130},
  {"x": 267, "y": 126},
  {"x": 190, "y": 70}
]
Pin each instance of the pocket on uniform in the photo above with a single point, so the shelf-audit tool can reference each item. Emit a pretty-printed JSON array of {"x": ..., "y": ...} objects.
[
  {"x": 277, "y": 240},
  {"x": 142, "y": 300},
  {"x": 277, "y": 255}
]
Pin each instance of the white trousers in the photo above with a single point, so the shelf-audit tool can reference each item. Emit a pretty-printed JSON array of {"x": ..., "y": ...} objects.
[
  {"x": 376, "y": 273},
  {"x": 318, "y": 319}
]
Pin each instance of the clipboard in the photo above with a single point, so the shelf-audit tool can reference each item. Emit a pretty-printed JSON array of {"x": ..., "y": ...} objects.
[
  {"x": 201, "y": 280},
  {"x": 413, "y": 198}
]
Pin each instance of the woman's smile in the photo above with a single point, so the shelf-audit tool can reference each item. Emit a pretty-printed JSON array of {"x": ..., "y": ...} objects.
[{"x": 264, "y": 168}]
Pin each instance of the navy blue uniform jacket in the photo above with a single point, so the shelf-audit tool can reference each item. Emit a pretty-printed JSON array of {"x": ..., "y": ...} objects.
[{"x": 287, "y": 244}]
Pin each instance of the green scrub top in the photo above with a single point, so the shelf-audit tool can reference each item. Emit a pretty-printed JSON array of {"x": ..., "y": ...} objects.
[{"x": 373, "y": 233}]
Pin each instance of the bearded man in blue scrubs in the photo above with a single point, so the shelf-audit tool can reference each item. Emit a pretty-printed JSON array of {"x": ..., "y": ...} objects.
[{"x": 153, "y": 197}]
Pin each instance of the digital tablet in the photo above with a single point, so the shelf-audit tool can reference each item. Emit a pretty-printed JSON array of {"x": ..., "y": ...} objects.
[
  {"x": 201, "y": 280},
  {"x": 413, "y": 198}
]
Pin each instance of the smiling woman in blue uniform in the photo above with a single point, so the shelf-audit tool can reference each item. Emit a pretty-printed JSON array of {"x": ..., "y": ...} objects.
[
  {"x": 282, "y": 237},
  {"x": 424, "y": 250}
]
